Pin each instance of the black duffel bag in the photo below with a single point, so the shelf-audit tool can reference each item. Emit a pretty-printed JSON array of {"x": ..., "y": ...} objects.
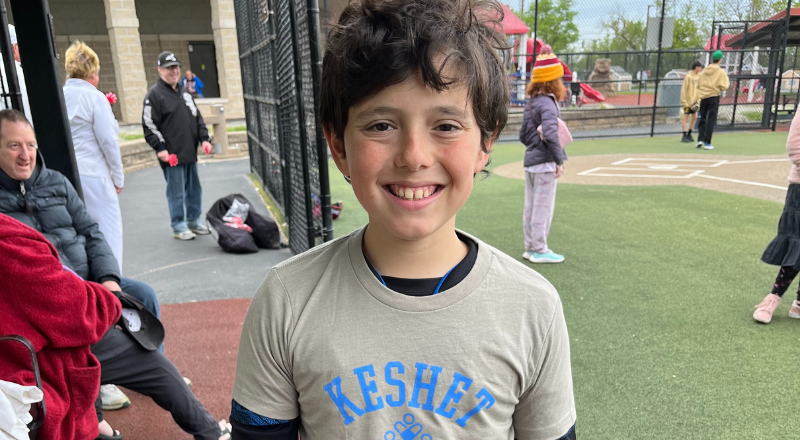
[{"x": 265, "y": 235}]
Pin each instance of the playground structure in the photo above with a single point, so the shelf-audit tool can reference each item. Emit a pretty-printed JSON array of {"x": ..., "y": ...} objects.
[{"x": 755, "y": 57}]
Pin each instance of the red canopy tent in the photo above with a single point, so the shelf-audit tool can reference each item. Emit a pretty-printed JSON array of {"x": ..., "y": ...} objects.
[
  {"x": 511, "y": 24},
  {"x": 711, "y": 44}
]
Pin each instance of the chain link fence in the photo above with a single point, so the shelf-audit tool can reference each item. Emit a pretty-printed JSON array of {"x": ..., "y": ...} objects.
[
  {"x": 279, "y": 56},
  {"x": 628, "y": 60}
]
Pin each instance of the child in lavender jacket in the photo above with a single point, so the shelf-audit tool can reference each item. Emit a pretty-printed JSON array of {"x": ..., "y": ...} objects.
[{"x": 544, "y": 157}]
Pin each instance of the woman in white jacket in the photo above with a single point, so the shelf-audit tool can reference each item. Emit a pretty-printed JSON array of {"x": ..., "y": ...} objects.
[{"x": 95, "y": 138}]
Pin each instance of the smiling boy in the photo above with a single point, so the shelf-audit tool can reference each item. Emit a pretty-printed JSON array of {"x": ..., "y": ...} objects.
[{"x": 407, "y": 329}]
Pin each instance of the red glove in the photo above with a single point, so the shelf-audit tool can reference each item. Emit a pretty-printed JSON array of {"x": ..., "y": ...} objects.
[
  {"x": 112, "y": 98},
  {"x": 206, "y": 148},
  {"x": 173, "y": 160}
]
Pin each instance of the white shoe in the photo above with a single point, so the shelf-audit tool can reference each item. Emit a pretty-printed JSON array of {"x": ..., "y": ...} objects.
[
  {"x": 708, "y": 147},
  {"x": 200, "y": 229},
  {"x": 113, "y": 398},
  {"x": 184, "y": 235},
  {"x": 225, "y": 429},
  {"x": 699, "y": 145}
]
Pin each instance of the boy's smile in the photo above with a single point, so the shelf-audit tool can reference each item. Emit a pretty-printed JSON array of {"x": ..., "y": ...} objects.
[{"x": 411, "y": 154}]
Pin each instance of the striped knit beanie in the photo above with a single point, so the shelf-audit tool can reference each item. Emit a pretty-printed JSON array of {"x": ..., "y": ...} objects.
[{"x": 546, "y": 68}]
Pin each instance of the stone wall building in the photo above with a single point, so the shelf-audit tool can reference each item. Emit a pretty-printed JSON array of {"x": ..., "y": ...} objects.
[{"x": 128, "y": 35}]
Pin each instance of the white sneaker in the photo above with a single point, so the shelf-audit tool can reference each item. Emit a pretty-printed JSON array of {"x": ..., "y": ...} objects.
[
  {"x": 113, "y": 398},
  {"x": 699, "y": 145},
  {"x": 225, "y": 429},
  {"x": 184, "y": 235},
  {"x": 200, "y": 229},
  {"x": 708, "y": 147}
]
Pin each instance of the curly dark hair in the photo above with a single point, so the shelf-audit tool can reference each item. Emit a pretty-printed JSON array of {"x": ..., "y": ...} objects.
[{"x": 380, "y": 43}]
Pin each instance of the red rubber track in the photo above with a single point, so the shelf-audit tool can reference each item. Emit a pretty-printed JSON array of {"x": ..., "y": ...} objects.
[{"x": 202, "y": 341}]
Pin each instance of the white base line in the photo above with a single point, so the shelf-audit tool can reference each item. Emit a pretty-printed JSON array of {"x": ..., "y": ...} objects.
[
  {"x": 159, "y": 269},
  {"x": 641, "y": 175},
  {"x": 759, "y": 161},
  {"x": 593, "y": 172},
  {"x": 765, "y": 185}
]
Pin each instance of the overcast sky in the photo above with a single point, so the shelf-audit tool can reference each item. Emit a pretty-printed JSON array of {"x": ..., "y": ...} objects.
[{"x": 592, "y": 12}]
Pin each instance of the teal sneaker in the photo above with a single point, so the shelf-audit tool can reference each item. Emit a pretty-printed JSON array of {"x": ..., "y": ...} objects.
[
  {"x": 547, "y": 257},
  {"x": 527, "y": 255}
]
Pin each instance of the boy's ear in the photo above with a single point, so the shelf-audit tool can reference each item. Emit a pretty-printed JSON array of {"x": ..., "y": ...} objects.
[
  {"x": 337, "y": 150},
  {"x": 483, "y": 155}
]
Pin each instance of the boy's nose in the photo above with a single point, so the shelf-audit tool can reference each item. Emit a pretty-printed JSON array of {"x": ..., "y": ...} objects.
[{"x": 415, "y": 153}]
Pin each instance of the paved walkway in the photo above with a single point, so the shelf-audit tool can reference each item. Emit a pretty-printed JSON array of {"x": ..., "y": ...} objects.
[
  {"x": 202, "y": 334},
  {"x": 196, "y": 270}
]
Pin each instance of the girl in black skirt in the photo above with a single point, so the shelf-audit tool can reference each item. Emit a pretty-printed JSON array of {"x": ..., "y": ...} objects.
[{"x": 784, "y": 250}]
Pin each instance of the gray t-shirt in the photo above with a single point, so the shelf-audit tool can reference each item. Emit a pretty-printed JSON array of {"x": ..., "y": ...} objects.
[{"x": 486, "y": 359}]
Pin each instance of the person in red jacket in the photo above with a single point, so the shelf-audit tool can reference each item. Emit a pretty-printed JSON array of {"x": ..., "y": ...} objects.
[{"x": 62, "y": 315}]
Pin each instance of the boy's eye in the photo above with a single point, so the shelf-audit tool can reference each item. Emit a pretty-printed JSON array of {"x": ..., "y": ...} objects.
[
  {"x": 381, "y": 126},
  {"x": 447, "y": 127}
]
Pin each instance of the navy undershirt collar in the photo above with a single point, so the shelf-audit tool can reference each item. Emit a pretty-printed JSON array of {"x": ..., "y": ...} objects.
[{"x": 427, "y": 286}]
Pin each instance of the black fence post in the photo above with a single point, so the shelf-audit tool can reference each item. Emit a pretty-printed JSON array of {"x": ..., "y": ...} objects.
[
  {"x": 301, "y": 119},
  {"x": 37, "y": 49},
  {"x": 12, "y": 82},
  {"x": 322, "y": 151},
  {"x": 658, "y": 67},
  {"x": 786, "y": 22},
  {"x": 535, "y": 30}
]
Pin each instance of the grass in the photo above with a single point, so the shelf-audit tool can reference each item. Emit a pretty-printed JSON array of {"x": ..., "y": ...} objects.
[
  {"x": 131, "y": 136},
  {"x": 753, "y": 116},
  {"x": 658, "y": 290},
  {"x": 271, "y": 206},
  {"x": 134, "y": 136}
]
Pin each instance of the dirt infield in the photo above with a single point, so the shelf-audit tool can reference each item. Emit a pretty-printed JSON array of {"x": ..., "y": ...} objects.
[{"x": 762, "y": 177}]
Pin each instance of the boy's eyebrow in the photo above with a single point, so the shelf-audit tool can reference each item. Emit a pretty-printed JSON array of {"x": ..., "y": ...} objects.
[
  {"x": 452, "y": 111},
  {"x": 377, "y": 111}
]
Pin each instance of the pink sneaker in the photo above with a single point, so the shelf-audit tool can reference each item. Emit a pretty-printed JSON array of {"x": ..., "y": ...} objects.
[
  {"x": 767, "y": 307},
  {"x": 794, "y": 312}
]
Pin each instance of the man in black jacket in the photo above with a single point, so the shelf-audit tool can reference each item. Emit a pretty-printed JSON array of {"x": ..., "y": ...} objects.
[{"x": 173, "y": 126}]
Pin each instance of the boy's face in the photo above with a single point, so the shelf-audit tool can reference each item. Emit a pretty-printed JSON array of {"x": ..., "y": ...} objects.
[{"x": 411, "y": 154}]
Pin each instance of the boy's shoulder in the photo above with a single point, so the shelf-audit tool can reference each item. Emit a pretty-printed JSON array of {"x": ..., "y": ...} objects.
[{"x": 316, "y": 259}]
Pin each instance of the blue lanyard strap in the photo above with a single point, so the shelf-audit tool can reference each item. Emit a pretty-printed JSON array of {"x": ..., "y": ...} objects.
[{"x": 437, "y": 287}]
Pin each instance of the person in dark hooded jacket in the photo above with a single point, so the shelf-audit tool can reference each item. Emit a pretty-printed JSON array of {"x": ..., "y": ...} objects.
[{"x": 544, "y": 156}]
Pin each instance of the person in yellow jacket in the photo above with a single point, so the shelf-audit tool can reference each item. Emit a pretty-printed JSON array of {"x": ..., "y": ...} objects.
[
  {"x": 713, "y": 80},
  {"x": 689, "y": 100}
]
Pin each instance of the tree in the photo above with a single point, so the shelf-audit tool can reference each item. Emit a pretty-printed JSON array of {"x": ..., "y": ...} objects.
[
  {"x": 747, "y": 9},
  {"x": 556, "y": 25},
  {"x": 692, "y": 25},
  {"x": 691, "y": 31},
  {"x": 622, "y": 34}
]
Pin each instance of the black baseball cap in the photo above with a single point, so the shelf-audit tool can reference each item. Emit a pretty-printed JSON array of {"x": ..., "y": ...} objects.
[{"x": 168, "y": 59}]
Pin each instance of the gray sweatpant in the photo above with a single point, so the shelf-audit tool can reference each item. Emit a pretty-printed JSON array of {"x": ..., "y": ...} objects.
[{"x": 540, "y": 203}]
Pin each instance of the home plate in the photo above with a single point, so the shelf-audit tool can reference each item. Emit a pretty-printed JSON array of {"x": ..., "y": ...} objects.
[{"x": 663, "y": 167}]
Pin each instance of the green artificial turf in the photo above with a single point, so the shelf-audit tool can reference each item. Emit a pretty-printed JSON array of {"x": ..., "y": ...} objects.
[{"x": 658, "y": 288}]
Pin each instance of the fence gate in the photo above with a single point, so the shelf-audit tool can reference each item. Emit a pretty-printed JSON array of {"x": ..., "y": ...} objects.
[{"x": 280, "y": 62}]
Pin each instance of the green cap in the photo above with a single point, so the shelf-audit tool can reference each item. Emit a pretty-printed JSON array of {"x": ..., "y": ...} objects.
[{"x": 717, "y": 55}]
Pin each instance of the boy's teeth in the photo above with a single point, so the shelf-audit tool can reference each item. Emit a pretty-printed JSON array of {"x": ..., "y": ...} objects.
[{"x": 413, "y": 193}]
